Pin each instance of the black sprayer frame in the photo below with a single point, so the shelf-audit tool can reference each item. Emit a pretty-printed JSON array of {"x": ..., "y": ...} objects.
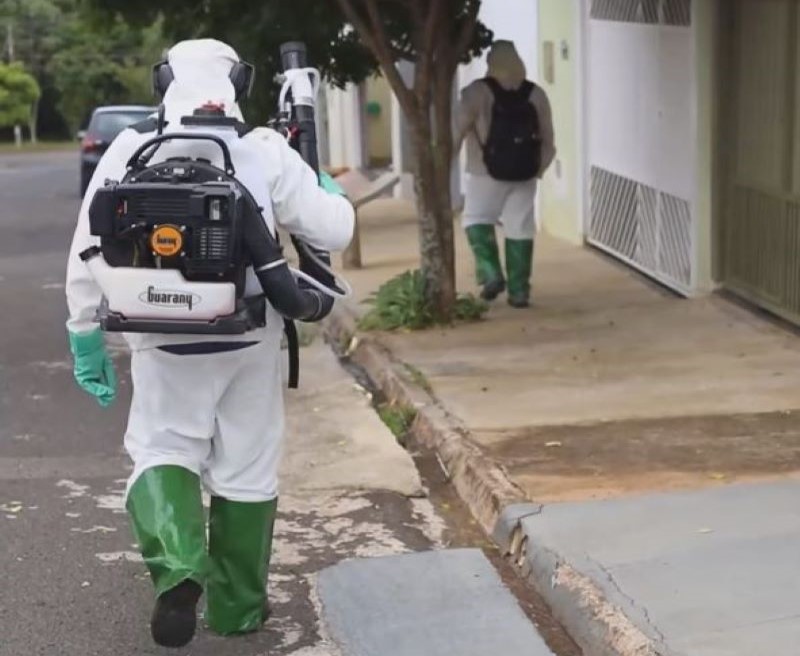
[{"x": 140, "y": 158}]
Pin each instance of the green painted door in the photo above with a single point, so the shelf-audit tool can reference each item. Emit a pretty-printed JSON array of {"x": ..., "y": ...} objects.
[{"x": 761, "y": 155}]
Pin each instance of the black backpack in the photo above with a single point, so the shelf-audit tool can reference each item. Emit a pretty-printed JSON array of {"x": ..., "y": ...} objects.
[{"x": 513, "y": 150}]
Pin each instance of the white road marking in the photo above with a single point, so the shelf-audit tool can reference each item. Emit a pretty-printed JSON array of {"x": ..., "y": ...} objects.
[
  {"x": 76, "y": 490},
  {"x": 119, "y": 556},
  {"x": 94, "y": 529}
]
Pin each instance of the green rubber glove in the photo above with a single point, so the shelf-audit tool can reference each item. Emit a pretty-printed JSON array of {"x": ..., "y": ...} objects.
[
  {"x": 93, "y": 369},
  {"x": 329, "y": 184}
]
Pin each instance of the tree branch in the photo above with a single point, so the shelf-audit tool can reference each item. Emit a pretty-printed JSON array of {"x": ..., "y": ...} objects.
[
  {"x": 427, "y": 28},
  {"x": 382, "y": 43},
  {"x": 466, "y": 34},
  {"x": 375, "y": 37},
  {"x": 417, "y": 18},
  {"x": 432, "y": 26}
]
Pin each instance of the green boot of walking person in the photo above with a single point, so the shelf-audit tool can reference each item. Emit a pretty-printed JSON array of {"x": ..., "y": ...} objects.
[
  {"x": 166, "y": 512},
  {"x": 519, "y": 263},
  {"x": 489, "y": 273},
  {"x": 239, "y": 549}
]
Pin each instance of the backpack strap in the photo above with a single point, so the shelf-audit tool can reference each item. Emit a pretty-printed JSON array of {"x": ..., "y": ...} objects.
[
  {"x": 293, "y": 348},
  {"x": 527, "y": 88}
]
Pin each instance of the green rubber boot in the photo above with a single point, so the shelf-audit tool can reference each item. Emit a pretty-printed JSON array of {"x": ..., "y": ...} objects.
[
  {"x": 166, "y": 512},
  {"x": 239, "y": 548},
  {"x": 489, "y": 273},
  {"x": 519, "y": 262}
]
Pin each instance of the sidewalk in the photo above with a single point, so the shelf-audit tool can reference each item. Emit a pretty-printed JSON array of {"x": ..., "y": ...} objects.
[{"x": 607, "y": 389}]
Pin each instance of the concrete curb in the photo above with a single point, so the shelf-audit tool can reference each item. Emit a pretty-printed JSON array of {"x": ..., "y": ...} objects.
[
  {"x": 598, "y": 617},
  {"x": 601, "y": 626},
  {"x": 479, "y": 481}
]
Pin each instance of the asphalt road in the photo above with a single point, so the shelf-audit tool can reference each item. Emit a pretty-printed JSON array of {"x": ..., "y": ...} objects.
[{"x": 71, "y": 583}]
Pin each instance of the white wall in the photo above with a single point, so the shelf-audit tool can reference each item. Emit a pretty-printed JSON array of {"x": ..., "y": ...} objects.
[
  {"x": 401, "y": 146},
  {"x": 344, "y": 127}
]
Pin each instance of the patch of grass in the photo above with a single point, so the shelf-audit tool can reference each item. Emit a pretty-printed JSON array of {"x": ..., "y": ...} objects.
[
  {"x": 400, "y": 303},
  {"x": 7, "y": 148},
  {"x": 398, "y": 419}
]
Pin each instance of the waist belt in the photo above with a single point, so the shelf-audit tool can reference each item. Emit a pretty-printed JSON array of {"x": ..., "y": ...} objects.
[
  {"x": 205, "y": 348},
  {"x": 209, "y": 348}
]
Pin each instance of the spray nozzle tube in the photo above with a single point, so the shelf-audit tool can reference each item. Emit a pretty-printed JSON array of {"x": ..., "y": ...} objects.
[{"x": 303, "y": 83}]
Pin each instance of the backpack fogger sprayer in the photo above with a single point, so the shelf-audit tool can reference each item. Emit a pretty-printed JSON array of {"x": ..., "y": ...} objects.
[{"x": 178, "y": 237}]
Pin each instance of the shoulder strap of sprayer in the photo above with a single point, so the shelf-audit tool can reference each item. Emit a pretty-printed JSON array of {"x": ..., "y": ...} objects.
[{"x": 293, "y": 349}]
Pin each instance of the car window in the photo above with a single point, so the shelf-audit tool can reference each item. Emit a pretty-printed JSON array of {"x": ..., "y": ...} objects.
[{"x": 107, "y": 125}]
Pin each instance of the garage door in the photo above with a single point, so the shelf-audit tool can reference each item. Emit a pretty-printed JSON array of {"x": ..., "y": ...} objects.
[{"x": 640, "y": 96}]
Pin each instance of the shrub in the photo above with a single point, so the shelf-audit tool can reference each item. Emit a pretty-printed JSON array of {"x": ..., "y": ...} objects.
[{"x": 400, "y": 303}]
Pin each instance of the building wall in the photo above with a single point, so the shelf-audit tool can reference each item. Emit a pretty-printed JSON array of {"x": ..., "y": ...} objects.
[
  {"x": 758, "y": 200},
  {"x": 561, "y": 192},
  {"x": 401, "y": 141},
  {"x": 345, "y": 129},
  {"x": 707, "y": 61},
  {"x": 378, "y": 126}
]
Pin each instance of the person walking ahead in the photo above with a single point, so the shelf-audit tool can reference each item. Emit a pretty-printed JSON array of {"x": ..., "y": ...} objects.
[{"x": 507, "y": 124}]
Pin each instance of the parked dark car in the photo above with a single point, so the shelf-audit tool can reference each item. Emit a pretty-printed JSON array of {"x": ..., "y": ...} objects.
[{"x": 105, "y": 124}]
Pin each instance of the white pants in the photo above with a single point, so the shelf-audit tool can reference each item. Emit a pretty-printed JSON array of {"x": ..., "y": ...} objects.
[
  {"x": 219, "y": 415},
  {"x": 490, "y": 201}
]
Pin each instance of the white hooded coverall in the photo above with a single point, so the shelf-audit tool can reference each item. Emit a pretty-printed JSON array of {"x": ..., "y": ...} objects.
[{"x": 219, "y": 415}]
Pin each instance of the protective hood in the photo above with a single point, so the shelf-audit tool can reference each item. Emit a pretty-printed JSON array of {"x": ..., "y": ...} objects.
[
  {"x": 505, "y": 65},
  {"x": 202, "y": 74}
]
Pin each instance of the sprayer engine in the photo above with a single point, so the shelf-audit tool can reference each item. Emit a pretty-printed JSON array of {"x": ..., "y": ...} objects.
[
  {"x": 168, "y": 219},
  {"x": 172, "y": 255}
]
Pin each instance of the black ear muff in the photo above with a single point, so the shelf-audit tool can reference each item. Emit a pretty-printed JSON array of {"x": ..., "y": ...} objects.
[
  {"x": 242, "y": 76},
  {"x": 162, "y": 78}
]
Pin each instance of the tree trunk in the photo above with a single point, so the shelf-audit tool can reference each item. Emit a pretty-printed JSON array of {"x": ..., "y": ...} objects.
[
  {"x": 444, "y": 76},
  {"x": 435, "y": 220},
  {"x": 34, "y": 122}
]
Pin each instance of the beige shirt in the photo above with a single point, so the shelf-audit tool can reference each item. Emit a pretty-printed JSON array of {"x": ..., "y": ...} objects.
[{"x": 474, "y": 115}]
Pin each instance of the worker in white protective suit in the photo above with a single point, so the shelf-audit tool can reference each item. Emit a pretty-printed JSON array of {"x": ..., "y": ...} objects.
[
  {"x": 206, "y": 409},
  {"x": 493, "y": 116}
]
